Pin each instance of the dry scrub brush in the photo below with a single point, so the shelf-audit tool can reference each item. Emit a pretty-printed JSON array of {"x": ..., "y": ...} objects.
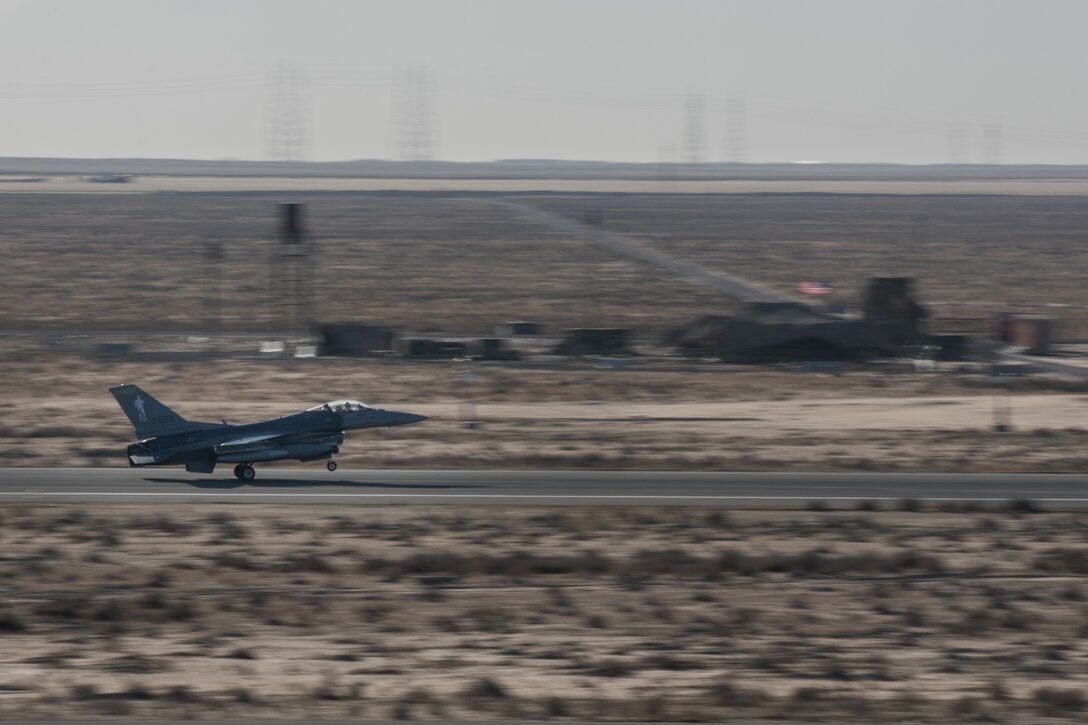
[{"x": 598, "y": 613}]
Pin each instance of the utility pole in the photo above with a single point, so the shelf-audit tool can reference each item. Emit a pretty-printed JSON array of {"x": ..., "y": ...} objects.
[{"x": 213, "y": 262}]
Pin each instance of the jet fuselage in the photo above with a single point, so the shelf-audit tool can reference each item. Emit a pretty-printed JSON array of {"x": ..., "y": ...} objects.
[{"x": 167, "y": 439}]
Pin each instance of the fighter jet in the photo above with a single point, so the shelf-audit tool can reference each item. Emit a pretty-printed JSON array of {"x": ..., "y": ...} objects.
[{"x": 167, "y": 439}]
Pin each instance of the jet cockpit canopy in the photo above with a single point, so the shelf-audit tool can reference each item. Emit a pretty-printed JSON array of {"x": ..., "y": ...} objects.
[{"x": 342, "y": 406}]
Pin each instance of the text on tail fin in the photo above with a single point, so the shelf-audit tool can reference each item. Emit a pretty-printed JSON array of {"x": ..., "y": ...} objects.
[{"x": 148, "y": 416}]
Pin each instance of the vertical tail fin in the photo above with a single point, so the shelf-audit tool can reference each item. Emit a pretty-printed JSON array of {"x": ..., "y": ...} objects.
[{"x": 149, "y": 417}]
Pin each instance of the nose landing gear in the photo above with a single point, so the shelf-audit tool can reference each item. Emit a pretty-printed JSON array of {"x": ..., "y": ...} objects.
[
  {"x": 331, "y": 465},
  {"x": 244, "y": 472}
]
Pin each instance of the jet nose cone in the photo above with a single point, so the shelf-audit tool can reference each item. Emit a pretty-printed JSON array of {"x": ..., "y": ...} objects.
[{"x": 407, "y": 418}]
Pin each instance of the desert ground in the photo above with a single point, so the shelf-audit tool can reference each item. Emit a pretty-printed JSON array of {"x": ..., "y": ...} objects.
[
  {"x": 573, "y": 414},
  {"x": 902, "y": 614},
  {"x": 453, "y": 262},
  {"x": 458, "y": 262}
]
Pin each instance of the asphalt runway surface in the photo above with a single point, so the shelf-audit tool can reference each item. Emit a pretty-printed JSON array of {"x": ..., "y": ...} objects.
[
  {"x": 526, "y": 488},
  {"x": 128, "y": 721}
]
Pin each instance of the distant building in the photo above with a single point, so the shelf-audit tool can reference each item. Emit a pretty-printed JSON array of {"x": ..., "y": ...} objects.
[
  {"x": 516, "y": 328},
  {"x": 353, "y": 338},
  {"x": 891, "y": 299},
  {"x": 427, "y": 348},
  {"x": 1031, "y": 332},
  {"x": 490, "y": 348},
  {"x": 767, "y": 332},
  {"x": 595, "y": 341}
]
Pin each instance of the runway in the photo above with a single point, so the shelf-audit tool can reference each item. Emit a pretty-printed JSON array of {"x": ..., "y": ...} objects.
[{"x": 524, "y": 488}]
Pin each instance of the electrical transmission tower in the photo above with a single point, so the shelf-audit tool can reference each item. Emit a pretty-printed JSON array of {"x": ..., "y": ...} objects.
[
  {"x": 736, "y": 131},
  {"x": 958, "y": 145},
  {"x": 287, "y": 132},
  {"x": 414, "y": 106},
  {"x": 993, "y": 144},
  {"x": 695, "y": 128}
]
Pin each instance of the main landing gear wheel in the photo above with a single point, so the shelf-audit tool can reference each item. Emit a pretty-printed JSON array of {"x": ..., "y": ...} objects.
[
  {"x": 331, "y": 465},
  {"x": 245, "y": 472}
]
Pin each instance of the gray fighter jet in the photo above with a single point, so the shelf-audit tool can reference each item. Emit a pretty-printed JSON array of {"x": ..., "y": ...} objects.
[{"x": 167, "y": 439}]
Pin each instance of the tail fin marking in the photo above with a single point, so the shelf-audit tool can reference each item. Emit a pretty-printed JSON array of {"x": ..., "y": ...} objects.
[{"x": 148, "y": 416}]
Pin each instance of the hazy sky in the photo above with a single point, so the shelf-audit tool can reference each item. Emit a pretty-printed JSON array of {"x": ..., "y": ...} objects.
[{"x": 912, "y": 81}]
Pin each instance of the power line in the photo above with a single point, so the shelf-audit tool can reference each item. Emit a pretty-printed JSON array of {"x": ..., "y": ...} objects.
[{"x": 414, "y": 115}]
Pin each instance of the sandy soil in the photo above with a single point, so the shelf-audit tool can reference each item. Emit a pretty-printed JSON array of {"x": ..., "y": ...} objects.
[
  {"x": 971, "y": 256},
  {"x": 664, "y": 414},
  {"x": 440, "y": 264},
  {"x": 601, "y": 613},
  {"x": 457, "y": 263},
  {"x": 768, "y": 418}
]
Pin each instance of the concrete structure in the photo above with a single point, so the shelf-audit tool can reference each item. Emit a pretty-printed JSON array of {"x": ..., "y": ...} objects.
[
  {"x": 1031, "y": 332},
  {"x": 352, "y": 338},
  {"x": 427, "y": 348},
  {"x": 788, "y": 332},
  {"x": 595, "y": 341},
  {"x": 516, "y": 328},
  {"x": 891, "y": 299},
  {"x": 490, "y": 348}
]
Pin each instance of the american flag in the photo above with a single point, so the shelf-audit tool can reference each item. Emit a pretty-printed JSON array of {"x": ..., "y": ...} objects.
[{"x": 815, "y": 287}]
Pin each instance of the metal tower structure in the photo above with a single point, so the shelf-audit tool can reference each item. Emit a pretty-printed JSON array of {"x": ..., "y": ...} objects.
[
  {"x": 695, "y": 128},
  {"x": 993, "y": 143},
  {"x": 213, "y": 273},
  {"x": 958, "y": 145},
  {"x": 736, "y": 131},
  {"x": 286, "y": 128},
  {"x": 414, "y": 109},
  {"x": 290, "y": 288}
]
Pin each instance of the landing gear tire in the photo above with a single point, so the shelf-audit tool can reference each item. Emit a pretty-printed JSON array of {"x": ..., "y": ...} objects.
[
  {"x": 244, "y": 472},
  {"x": 331, "y": 465}
]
